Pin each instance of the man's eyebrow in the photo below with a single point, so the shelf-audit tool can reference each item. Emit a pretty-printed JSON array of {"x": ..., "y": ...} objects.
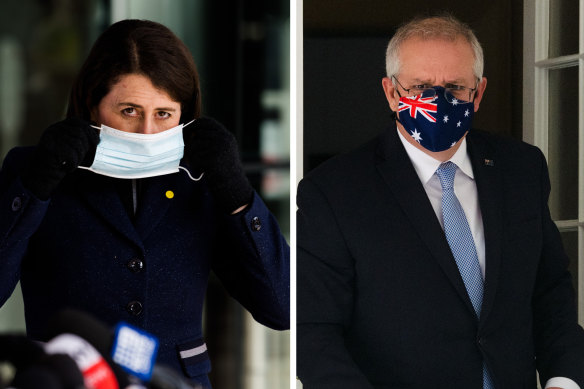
[
  {"x": 456, "y": 81},
  {"x": 127, "y": 104},
  {"x": 421, "y": 81}
]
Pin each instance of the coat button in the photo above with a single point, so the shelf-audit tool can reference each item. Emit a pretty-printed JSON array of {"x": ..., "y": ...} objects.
[
  {"x": 135, "y": 265},
  {"x": 16, "y": 204},
  {"x": 256, "y": 224},
  {"x": 135, "y": 308}
]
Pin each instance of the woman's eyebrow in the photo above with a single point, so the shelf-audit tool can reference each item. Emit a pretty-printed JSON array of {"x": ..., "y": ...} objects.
[{"x": 127, "y": 104}]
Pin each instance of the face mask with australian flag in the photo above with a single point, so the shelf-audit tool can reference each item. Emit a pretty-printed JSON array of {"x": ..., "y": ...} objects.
[{"x": 435, "y": 118}]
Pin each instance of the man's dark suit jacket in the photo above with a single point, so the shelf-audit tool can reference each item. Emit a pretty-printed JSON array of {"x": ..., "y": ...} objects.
[{"x": 381, "y": 302}]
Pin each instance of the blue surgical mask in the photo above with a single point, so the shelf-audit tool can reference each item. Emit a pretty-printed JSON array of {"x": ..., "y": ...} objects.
[{"x": 129, "y": 155}]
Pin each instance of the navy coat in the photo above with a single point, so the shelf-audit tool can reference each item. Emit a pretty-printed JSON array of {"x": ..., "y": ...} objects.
[
  {"x": 81, "y": 249},
  {"x": 381, "y": 303}
]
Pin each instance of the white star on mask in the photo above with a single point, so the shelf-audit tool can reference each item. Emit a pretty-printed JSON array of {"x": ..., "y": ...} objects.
[{"x": 416, "y": 135}]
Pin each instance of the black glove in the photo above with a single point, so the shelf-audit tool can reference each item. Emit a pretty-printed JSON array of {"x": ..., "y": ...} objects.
[
  {"x": 213, "y": 149},
  {"x": 63, "y": 147}
]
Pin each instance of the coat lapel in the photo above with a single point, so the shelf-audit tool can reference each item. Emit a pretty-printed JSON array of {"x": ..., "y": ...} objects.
[
  {"x": 399, "y": 174},
  {"x": 102, "y": 197},
  {"x": 155, "y": 201},
  {"x": 489, "y": 186}
]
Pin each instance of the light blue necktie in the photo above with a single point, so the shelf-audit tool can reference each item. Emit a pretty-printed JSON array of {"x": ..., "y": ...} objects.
[{"x": 461, "y": 244}]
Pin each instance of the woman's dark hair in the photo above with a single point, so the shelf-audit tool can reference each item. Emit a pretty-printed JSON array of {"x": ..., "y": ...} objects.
[{"x": 137, "y": 47}]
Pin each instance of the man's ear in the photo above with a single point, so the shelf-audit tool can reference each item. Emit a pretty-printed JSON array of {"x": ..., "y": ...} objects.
[
  {"x": 479, "y": 93},
  {"x": 390, "y": 93}
]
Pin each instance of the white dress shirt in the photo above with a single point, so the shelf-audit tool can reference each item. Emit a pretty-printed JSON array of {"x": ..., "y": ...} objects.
[{"x": 465, "y": 189}]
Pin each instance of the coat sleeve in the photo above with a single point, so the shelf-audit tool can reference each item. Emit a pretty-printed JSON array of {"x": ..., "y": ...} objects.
[
  {"x": 20, "y": 215},
  {"x": 325, "y": 293},
  {"x": 559, "y": 339},
  {"x": 253, "y": 262}
]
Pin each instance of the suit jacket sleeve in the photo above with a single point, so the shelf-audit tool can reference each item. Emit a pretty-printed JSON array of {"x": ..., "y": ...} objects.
[
  {"x": 20, "y": 215},
  {"x": 325, "y": 272},
  {"x": 559, "y": 339},
  {"x": 253, "y": 262}
]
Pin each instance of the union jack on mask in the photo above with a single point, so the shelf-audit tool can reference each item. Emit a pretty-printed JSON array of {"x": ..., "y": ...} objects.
[{"x": 433, "y": 121}]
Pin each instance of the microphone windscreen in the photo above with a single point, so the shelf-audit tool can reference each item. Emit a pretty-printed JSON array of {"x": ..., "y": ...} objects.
[
  {"x": 66, "y": 369},
  {"x": 19, "y": 350},
  {"x": 95, "y": 332},
  {"x": 79, "y": 323},
  {"x": 36, "y": 377}
]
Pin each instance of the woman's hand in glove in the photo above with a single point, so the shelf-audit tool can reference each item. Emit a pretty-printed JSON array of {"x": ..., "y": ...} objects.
[
  {"x": 212, "y": 148},
  {"x": 62, "y": 148}
]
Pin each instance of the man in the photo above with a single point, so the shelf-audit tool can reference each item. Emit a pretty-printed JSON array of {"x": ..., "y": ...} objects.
[{"x": 427, "y": 258}]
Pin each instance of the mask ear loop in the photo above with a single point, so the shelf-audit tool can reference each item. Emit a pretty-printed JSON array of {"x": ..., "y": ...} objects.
[
  {"x": 394, "y": 114},
  {"x": 186, "y": 170},
  {"x": 189, "y": 173},
  {"x": 184, "y": 125}
]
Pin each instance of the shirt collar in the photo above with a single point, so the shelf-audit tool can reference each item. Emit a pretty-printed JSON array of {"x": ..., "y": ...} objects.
[{"x": 426, "y": 166}]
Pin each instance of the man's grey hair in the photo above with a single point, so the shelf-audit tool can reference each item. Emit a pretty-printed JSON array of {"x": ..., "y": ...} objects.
[{"x": 441, "y": 27}]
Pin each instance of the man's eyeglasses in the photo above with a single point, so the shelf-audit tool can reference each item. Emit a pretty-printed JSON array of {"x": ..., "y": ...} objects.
[{"x": 453, "y": 93}]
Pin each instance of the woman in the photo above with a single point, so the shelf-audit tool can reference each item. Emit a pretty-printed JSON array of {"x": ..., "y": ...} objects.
[{"x": 104, "y": 220}]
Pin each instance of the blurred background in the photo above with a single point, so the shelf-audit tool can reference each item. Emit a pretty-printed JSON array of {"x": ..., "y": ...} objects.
[{"x": 242, "y": 54}]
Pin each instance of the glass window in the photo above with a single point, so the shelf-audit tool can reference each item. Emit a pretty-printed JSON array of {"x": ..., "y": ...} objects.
[
  {"x": 563, "y": 32},
  {"x": 553, "y": 105},
  {"x": 563, "y": 142}
]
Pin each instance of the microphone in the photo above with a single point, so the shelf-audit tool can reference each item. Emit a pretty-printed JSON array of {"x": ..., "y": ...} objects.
[
  {"x": 82, "y": 324},
  {"x": 36, "y": 377},
  {"x": 95, "y": 370},
  {"x": 135, "y": 350},
  {"x": 93, "y": 331},
  {"x": 58, "y": 371},
  {"x": 19, "y": 350},
  {"x": 34, "y": 366},
  {"x": 132, "y": 350},
  {"x": 66, "y": 369},
  {"x": 20, "y": 353}
]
